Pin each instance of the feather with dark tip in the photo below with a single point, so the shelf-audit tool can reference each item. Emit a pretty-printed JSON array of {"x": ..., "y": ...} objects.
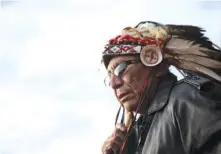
[
  {"x": 204, "y": 61},
  {"x": 185, "y": 30},
  {"x": 182, "y": 46},
  {"x": 192, "y": 33}
]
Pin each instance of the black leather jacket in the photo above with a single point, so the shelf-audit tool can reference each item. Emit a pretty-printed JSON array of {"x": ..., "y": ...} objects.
[{"x": 183, "y": 118}]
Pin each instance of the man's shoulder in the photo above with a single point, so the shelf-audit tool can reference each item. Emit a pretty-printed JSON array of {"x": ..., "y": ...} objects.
[
  {"x": 194, "y": 81},
  {"x": 194, "y": 107},
  {"x": 191, "y": 85},
  {"x": 195, "y": 91}
]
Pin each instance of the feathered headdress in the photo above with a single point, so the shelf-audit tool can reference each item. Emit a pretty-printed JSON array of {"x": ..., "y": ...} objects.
[{"x": 182, "y": 46}]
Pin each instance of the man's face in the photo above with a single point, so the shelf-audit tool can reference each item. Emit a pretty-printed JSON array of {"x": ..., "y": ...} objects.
[{"x": 129, "y": 84}]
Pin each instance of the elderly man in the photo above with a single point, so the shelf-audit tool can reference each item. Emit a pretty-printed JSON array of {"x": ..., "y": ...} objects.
[{"x": 175, "y": 117}]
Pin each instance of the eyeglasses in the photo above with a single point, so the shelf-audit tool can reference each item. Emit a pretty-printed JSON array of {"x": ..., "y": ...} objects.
[{"x": 119, "y": 70}]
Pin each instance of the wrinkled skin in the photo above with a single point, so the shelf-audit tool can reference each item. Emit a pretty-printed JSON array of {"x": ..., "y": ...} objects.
[
  {"x": 128, "y": 90},
  {"x": 130, "y": 86}
]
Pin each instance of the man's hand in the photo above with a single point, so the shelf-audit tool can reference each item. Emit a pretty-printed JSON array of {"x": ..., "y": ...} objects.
[{"x": 113, "y": 144}]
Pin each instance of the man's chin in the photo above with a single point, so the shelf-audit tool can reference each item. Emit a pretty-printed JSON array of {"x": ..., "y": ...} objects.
[{"x": 130, "y": 106}]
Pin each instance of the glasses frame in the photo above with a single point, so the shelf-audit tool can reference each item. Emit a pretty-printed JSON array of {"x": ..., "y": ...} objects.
[{"x": 120, "y": 69}]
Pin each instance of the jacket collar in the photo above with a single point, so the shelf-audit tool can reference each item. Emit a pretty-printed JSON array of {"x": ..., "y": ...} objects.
[{"x": 162, "y": 93}]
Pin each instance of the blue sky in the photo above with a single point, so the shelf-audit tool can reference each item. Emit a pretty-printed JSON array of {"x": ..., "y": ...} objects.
[{"x": 52, "y": 97}]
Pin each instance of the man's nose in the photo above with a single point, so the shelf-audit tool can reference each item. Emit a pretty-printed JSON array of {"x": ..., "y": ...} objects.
[{"x": 115, "y": 82}]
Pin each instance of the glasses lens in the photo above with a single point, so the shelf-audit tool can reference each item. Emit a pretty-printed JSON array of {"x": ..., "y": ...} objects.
[
  {"x": 117, "y": 71},
  {"x": 120, "y": 69},
  {"x": 107, "y": 80}
]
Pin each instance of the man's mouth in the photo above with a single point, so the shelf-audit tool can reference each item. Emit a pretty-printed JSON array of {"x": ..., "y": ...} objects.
[{"x": 123, "y": 96}]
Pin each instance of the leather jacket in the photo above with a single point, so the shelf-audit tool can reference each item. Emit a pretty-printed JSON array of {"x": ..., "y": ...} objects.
[{"x": 184, "y": 117}]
